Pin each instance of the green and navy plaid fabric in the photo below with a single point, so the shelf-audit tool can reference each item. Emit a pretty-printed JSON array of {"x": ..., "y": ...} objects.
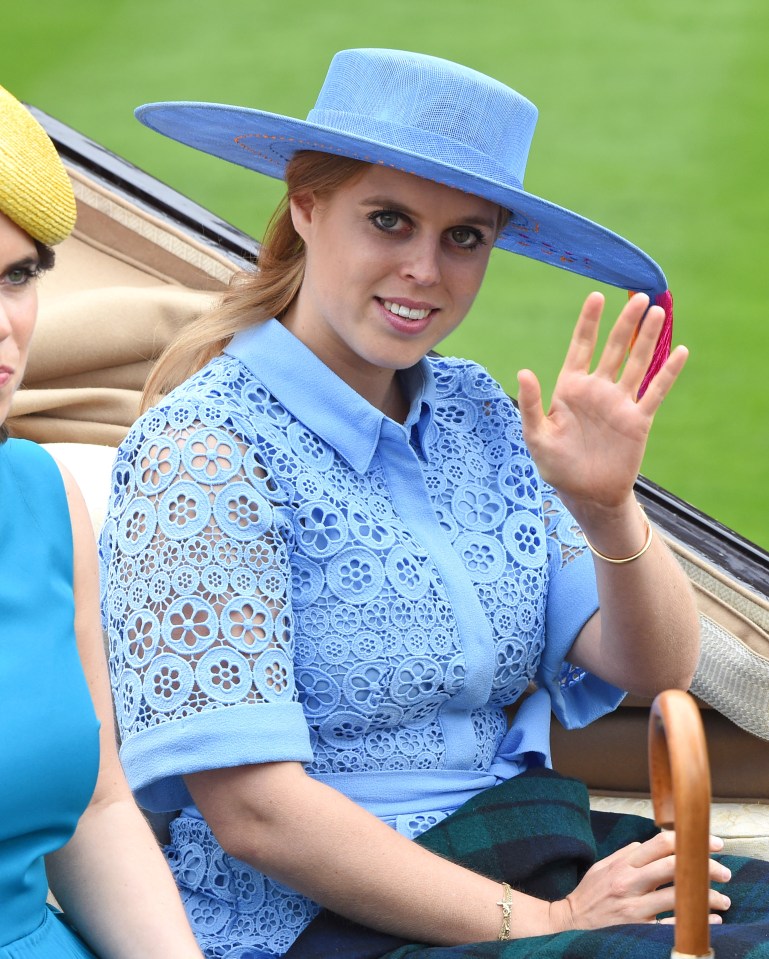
[{"x": 537, "y": 833}]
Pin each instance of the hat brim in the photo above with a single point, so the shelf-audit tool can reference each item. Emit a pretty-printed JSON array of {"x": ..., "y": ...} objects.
[{"x": 537, "y": 228}]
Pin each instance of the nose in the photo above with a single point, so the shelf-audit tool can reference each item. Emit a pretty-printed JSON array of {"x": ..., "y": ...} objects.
[{"x": 421, "y": 263}]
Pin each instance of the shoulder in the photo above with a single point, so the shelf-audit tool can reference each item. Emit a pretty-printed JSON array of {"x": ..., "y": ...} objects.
[
  {"x": 34, "y": 472},
  {"x": 35, "y": 489},
  {"x": 210, "y": 398},
  {"x": 29, "y": 458},
  {"x": 206, "y": 398}
]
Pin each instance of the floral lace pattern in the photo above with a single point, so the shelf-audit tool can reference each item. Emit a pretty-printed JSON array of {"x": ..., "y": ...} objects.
[{"x": 246, "y": 562}]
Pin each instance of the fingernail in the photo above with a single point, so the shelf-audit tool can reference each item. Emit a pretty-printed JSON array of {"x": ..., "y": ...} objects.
[{"x": 727, "y": 874}]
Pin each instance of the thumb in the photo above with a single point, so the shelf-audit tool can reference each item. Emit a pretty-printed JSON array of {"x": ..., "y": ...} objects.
[{"x": 530, "y": 400}]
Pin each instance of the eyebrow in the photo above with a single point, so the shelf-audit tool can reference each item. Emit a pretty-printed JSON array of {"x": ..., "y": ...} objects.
[
  {"x": 25, "y": 263},
  {"x": 388, "y": 203}
]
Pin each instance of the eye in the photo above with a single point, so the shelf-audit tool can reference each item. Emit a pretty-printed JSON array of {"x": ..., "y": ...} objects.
[
  {"x": 20, "y": 275},
  {"x": 466, "y": 237},
  {"x": 389, "y": 221}
]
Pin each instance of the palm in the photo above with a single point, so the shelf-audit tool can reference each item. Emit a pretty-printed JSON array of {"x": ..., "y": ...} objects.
[{"x": 591, "y": 442}]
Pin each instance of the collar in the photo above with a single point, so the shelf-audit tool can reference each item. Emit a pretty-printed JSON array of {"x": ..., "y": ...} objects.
[{"x": 322, "y": 401}]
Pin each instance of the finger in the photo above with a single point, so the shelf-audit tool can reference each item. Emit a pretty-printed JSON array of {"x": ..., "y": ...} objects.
[
  {"x": 658, "y": 847},
  {"x": 718, "y": 901},
  {"x": 642, "y": 350},
  {"x": 654, "y": 875},
  {"x": 663, "y": 382},
  {"x": 655, "y": 863},
  {"x": 579, "y": 356},
  {"x": 713, "y": 919},
  {"x": 659, "y": 901},
  {"x": 530, "y": 401},
  {"x": 668, "y": 838},
  {"x": 662, "y": 901},
  {"x": 619, "y": 340}
]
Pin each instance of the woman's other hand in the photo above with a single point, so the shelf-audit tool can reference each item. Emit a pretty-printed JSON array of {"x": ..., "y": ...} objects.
[{"x": 634, "y": 884}]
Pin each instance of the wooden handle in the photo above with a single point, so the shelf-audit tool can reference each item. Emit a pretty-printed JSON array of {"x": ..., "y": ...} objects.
[{"x": 680, "y": 783}]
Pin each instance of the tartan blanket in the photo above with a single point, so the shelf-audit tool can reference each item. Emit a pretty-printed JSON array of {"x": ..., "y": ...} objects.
[{"x": 537, "y": 832}]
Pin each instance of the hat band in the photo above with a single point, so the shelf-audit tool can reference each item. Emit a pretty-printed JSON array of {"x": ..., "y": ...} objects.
[{"x": 423, "y": 150}]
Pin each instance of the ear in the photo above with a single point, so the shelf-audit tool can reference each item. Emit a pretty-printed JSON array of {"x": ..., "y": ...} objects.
[{"x": 303, "y": 207}]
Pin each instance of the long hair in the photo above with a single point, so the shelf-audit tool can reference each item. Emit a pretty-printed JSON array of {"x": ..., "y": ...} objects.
[{"x": 254, "y": 296}]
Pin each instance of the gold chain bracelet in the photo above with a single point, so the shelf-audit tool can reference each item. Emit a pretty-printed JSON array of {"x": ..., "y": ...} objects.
[{"x": 506, "y": 902}]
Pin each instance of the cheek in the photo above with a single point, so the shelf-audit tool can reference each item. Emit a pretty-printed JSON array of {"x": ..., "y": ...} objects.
[
  {"x": 24, "y": 322},
  {"x": 469, "y": 280}
]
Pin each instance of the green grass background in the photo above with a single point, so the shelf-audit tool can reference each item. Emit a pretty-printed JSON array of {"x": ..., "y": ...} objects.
[{"x": 653, "y": 121}]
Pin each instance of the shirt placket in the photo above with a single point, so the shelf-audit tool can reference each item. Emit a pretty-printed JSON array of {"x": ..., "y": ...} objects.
[{"x": 411, "y": 500}]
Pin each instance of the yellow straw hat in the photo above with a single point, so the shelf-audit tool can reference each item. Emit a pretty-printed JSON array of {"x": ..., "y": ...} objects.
[{"x": 35, "y": 191}]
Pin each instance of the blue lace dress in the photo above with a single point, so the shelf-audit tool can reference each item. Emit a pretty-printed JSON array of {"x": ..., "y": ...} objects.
[
  {"x": 290, "y": 575},
  {"x": 49, "y": 755}
]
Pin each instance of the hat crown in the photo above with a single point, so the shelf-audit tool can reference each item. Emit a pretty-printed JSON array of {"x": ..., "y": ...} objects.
[
  {"x": 432, "y": 107},
  {"x": 431, "y": 118},
  {"x": 35, "y": 190}
]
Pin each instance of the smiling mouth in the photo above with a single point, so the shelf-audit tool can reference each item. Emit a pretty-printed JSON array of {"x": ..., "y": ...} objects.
[{"x": 405, "y": 312}]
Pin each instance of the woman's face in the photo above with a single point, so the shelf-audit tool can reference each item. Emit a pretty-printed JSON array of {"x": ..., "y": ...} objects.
[
  {"x": 19, "y": 265},
  {"x": 394, "y": 263}
]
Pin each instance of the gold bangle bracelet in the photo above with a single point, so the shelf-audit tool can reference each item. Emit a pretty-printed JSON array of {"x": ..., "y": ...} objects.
[
  {"x": 625, "y": 559},
  {"x": 506, "y": 902}
]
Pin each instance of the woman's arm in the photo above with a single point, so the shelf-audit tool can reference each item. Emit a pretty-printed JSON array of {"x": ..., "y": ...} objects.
[
  {"x": 589, "y": 446},
  {"x": 111, "y": 878},
  {"x": 312, "y": 838},
  {"x": 645, "y": 637}
]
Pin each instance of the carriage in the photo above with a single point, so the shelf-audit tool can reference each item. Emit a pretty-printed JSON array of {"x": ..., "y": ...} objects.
[{"x": 144, "y": 260}]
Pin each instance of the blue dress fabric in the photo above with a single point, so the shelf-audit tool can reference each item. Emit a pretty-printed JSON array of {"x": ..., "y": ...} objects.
[
  {"x": 289, "y": 575},
  {"x": 50, "y": 748}
]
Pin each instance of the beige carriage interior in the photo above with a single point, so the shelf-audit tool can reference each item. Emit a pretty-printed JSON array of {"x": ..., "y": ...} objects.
[{"x": 128, "y": 278}]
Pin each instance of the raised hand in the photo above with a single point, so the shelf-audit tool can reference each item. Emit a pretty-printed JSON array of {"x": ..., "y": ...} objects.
[{"x": 591, "y": 442}]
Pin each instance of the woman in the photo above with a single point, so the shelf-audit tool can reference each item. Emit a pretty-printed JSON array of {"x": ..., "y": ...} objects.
[
  {"x": 66, "y": 814},
  {"x": 331, "y": 561}
]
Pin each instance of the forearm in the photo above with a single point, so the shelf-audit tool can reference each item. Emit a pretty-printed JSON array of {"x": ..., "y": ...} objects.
[
  {"x": 112, "y": 882},
  {"x": 649, "y": 628},
  {"x": 318, "y": 842}
]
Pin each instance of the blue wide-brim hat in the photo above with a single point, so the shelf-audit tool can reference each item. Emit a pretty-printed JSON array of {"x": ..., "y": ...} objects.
[{"x": 434, "y": 119}]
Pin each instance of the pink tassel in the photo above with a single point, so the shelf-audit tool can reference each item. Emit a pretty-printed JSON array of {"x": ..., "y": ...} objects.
[{"x": 664, "y": 343}]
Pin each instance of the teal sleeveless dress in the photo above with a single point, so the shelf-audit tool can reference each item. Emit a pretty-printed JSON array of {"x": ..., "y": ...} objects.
[{"x": 49, "y": 748}]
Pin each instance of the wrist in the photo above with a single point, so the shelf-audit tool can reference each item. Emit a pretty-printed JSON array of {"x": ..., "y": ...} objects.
[
  {"x": 631, "y": 557},
  {"x": 538, "y": 917},
  {"x": 593, "y": 515},
  {"x": 560, "y": 916},
  {"x": 616, "y": 535}
]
